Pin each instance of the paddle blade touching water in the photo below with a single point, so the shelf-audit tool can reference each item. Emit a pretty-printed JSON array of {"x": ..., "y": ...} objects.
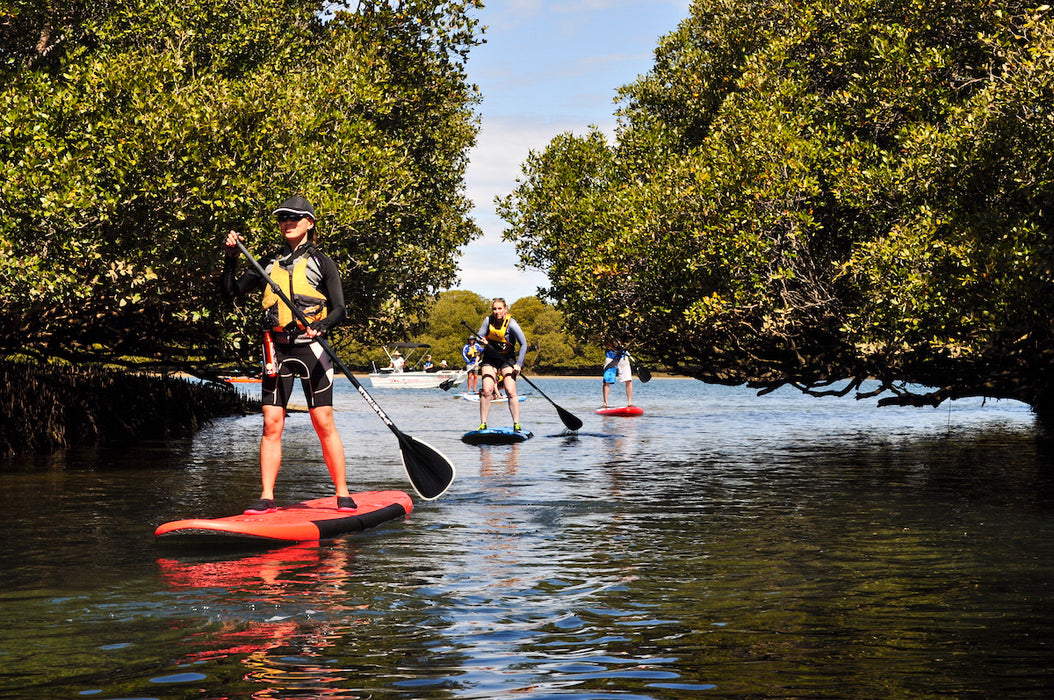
[
  {"x": 569, "y": 419},
  {"x": 428, "y": 469}
]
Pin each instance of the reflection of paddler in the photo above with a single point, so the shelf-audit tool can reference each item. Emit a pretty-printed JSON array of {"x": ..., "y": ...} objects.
[
  {"x": 500, "y": 462},
  {"x": 301, "y": 573},
  {"x": 500, "y": 335}
]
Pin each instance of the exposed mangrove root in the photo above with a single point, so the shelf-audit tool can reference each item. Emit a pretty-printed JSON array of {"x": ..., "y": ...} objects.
[{"x": 44, "y": 407}]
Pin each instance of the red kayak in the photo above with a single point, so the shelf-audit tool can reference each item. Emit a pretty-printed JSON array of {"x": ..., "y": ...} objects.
[
  {"x": 309, "y": 521},
  {"x": 621, "y": 411}
]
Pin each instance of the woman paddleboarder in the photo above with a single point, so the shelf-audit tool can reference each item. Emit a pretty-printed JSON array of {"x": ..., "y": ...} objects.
[
  {"x": 311, "y": 280},
  {"x": 499, "y": 335}
]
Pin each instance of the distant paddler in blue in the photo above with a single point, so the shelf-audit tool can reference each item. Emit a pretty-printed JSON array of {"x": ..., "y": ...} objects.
[
  {"x": 617, "y": 368},
  {"x": 499, "y": 336},
  {"x": 470, "y": 354}
]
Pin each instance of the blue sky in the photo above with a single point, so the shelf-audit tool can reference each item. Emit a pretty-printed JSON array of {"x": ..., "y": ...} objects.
[{"x": 548, "y": 67}]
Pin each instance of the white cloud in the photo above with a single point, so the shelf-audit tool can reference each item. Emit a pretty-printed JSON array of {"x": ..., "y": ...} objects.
[
  {"x": 548, "y": 67},
  {"x": 502, "y": 148}
]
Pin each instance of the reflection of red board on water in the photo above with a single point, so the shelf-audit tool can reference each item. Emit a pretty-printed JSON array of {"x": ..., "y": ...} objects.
[
  {"x": 626, "y": 411},
  {"x": 309, "y": 521},
  {"x": 302, "y": 574},
  {"x": 265, "y": 571}
]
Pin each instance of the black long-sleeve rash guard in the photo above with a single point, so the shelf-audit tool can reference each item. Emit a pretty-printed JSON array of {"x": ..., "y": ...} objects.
[{"x": 329, "y": 282}]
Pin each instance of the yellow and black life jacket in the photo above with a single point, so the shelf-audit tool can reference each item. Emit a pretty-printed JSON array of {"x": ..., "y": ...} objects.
[
  {"x": 496, "y": 335},
  {"x": 297, "y": 287}
]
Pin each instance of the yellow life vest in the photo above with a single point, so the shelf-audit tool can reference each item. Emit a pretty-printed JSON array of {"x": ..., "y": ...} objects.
[
  {"x": 496, "y": 335},
  {"x": 293, "y": 282}
]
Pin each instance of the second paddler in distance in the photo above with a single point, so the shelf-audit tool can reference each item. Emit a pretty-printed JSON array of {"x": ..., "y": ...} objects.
[
  {"x": 617, "y": 368},
  {"x": 504, "y": 347}
]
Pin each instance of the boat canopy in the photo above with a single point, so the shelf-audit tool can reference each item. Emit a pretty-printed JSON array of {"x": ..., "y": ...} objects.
[{"x": 405, "y": 349}]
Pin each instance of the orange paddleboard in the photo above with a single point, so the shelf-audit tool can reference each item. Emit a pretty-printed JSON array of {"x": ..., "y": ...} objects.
[
  {"x": 628, "y": 411},
  {"x": 309, "y": 521}
]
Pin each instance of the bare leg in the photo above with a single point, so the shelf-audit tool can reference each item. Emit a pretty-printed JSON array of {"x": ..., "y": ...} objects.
[
  {"x": 488, "y": 391},
  {"x": 332, "y": 446},
  {"x": 629, "y": 393},
  {"x": 271, "y": 449},
  {"x": 514, "y": 404},
  {"x": 607, "y": 392}
]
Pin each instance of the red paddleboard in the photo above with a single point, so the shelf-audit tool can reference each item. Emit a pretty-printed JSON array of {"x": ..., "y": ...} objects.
[
  {"x": 620, "y": 411},
  {"x": 309, "y": 521}
]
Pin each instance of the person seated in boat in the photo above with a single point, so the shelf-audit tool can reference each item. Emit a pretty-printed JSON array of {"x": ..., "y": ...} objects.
[
  {"x": 428, "y": 365},
  {"x": 500, "y": 335},
  {"x": 292, "y": 350},
  {"x": 398, "y": 363},
  {"x": 443, "y": 365},
  {"x": 617, "y": 368}
]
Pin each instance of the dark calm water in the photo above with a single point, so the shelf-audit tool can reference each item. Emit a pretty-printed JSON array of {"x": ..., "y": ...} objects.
[{"x": 722, "y": 545}]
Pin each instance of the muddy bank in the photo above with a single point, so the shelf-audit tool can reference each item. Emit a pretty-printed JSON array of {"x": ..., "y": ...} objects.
[{"x": 44, "y": 408}]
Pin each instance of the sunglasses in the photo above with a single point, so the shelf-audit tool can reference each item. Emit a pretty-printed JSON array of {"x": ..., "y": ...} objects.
[{"x": 283, "y": 217}]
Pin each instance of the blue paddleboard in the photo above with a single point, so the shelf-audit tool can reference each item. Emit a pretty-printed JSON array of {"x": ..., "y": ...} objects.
[
  {"x": 496, "y": 436},
  {"x": 504, "y": 399}
]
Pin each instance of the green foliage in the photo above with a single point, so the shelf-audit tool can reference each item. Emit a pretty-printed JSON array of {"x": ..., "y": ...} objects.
[
  {"x": 136, "y": 133},
  {"x": 817, "y": 191},
  {"x": 444, "y": 331},
  {"x": 550, "y": 348}
]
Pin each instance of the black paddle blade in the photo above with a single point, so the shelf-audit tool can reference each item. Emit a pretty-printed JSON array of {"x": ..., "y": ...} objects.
[
  {"x": 572, "y": 421},
  {"x": 446, "y": 384},
  {"x": 645, "y": 374},
  {"x": 428, "y": 469}
]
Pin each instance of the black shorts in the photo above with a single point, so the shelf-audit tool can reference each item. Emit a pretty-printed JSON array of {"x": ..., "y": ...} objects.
[
  {"x": 499, "y": 363},
  {"x": 309, "y": 362}
]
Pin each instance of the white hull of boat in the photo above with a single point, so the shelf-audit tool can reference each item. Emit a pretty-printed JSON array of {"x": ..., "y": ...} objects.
[{"x": 416, "y": 380}]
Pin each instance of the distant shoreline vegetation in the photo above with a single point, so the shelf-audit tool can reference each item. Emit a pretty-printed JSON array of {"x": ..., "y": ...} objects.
[
  {"x": 551, "y": 349},
  {"x": 51, "y": 407}
]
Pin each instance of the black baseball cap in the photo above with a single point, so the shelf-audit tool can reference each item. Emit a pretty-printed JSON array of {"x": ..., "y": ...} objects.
[{"x": 296, "y": 205}]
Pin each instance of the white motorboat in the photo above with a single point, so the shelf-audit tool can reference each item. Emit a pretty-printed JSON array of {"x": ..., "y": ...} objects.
[{"x": 396, "y": 376}]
